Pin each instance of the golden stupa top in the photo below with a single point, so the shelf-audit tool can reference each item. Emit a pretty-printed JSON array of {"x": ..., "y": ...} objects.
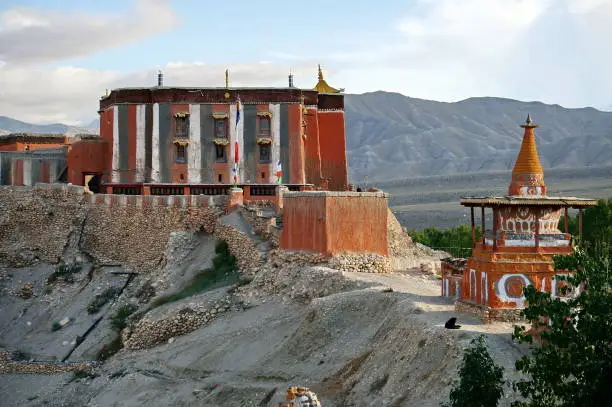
[
  {"x": 527, "y": 174},
  {"x": 322, "y": 86},
  {"x": 528, "y": 161}
]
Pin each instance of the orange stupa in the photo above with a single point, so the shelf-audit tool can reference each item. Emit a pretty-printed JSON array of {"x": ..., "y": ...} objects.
[{"x": 527, "y": 175}]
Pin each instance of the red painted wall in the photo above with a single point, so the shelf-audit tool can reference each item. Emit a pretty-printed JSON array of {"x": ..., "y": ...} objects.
[
  {"x": 329, "y": 224},
  {"x": 296, "y": 145},
  {"x": 312, "y": 155},
  {"x": 88, "y": 156},
  {"x": 106, "y": 134},
  {"x": 357, "y": 224},
  {"x": 304, "y": 226},
  {"x": 332, "y": 145}
]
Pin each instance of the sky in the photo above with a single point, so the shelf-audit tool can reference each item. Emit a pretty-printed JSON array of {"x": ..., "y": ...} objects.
[{"x": 58, "y": 57}]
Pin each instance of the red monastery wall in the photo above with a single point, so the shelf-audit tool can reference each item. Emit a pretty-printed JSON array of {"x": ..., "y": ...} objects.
[{"x": 335, "y": 222}]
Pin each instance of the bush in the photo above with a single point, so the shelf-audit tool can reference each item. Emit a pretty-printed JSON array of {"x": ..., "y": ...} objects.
[
  {"x": 119, "y": 319},
  {"x": 223, "y": 272},
  {"x": 101, "y": 299},
  {"x": 64, "y": 272},
  {"x": 480, "y": 379},
  {"x": 56, "y": 326}
]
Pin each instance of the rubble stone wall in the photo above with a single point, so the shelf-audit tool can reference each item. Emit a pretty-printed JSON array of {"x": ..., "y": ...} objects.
[
  {"x": 248, "y": 258},
  {"x": 37, "y": 224}
]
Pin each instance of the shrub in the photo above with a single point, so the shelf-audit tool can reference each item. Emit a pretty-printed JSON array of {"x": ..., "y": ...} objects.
[
  {"x": 101, "y": 299},
  {"x": 119, "y": 319},
  {"x": 64, "y": 272},
  {"x": 223, "y": 272},
  {"x": 480, "y": 379},
  {"x": 56, "y": 326}
]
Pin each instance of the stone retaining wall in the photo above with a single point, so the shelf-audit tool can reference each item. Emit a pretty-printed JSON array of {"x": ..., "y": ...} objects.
[
  {"x": 39, "y": 223},
  {"x": 241, "y": 246},
  {"x": 489, "y": 315}
]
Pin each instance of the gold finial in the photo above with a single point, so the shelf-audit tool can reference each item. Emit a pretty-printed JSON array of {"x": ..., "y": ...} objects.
[
  {"x": 227, "y": 78},
  {"x": 106, "y": 92},
  {"x": 320, "y": 73}
]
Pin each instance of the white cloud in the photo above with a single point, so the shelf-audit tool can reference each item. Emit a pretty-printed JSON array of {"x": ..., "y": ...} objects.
[
  {"x": 550, "y": 50},
  {"x": 71, "y": 95},
  {"x": 30, "y": 35}
]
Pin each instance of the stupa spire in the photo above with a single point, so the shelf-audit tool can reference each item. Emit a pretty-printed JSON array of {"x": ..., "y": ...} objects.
[{"x": 527, "y": 175}]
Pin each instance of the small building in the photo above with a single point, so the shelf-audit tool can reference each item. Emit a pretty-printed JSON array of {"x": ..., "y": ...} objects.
[
  {"x": 518, "y": 249},
  {"x": 33, "y": 141},
  {"x": 28, "y": 167}
]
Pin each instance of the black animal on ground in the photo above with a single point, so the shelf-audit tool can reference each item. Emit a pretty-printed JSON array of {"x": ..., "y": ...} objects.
[{"x": 450, "y": 324}]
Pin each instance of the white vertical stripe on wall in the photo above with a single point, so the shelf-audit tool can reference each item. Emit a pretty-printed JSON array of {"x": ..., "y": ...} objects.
[
  {"x": 115, "y": 170},
  {"x": 240, "y": 140},
  {"x": 140, "y": 142},
  {"x": 194, "y": 159},
  {"x": 275, "y": 129},
  {"x": 52, "y": 171},
  {"x": 232, "y": 137},
  {"x": 27, "y": 172},
  {"x": 155, "y": 145}
]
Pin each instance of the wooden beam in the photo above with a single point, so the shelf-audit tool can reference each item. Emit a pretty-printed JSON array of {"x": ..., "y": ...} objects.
[
  {"x": 473, "y": 227},
  {"x": 537, "y": 229},
  {"x": 494, "y": 231},
  {"x": 482, "y": 222},
  {"x": 566, "y": 220}
]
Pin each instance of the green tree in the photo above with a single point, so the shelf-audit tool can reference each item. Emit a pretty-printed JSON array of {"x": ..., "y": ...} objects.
[
  {"x": 596, "y": 226},
  {"x": 480, "y": 379},
  {"x": 456, "y": 240},
  {"x": 573, "y": 365}
]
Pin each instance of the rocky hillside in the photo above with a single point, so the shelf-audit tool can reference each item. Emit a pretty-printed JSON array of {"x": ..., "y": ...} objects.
[{"x": 391, "y": 136}]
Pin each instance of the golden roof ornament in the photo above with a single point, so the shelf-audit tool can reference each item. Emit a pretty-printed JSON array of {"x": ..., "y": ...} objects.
[{"x": 322, "y": 86}]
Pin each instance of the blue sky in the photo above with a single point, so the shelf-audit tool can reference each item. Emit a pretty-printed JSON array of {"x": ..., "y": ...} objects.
[{"x": 58, "y": 57}]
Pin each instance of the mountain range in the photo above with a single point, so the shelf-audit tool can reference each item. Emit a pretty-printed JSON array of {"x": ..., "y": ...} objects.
[
  {"x": 391, "y": 136},
  {"x": 9, "y": 125}
]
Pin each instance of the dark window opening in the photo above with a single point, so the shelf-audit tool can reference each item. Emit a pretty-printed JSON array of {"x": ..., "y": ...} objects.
[
  {"x": 181, "y": 126},
  {"x": 264, "y": 153},
  {"x": 220, "y": 154},
  {"x": 263, "y": 175},
  {"x": 181, "y": 154},
  {"x": 264, "y": 127},
  {"x": 220, "y": 178},
  {"x": 220, "y": 128},
  {"x": 94, "y": 184}
]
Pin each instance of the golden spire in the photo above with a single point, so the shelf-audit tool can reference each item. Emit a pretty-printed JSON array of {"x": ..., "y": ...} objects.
[
  {"x": 528, "y": 175},
  {"x": 322, "y": 86},
  {"x": 227, "y": 79}
]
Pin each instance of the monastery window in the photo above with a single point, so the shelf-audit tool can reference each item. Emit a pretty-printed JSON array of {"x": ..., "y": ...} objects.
[
  {"x": 181, "y": 126},
  {"x": 220, "y": 178},
  {"x": 264, "y": 127},
  {"x": 221, "y": 128},
  {"x": 181, "y": 154},
  {"x": 220, "y": 154},
  {"x": 265, "y": 155}
]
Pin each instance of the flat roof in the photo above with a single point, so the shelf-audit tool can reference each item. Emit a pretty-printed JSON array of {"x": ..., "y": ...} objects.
[{"x": 527, "y": 201}]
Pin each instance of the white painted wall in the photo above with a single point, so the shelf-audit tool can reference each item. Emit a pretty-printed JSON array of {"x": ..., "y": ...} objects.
[{"x": 194, "y": 155}]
